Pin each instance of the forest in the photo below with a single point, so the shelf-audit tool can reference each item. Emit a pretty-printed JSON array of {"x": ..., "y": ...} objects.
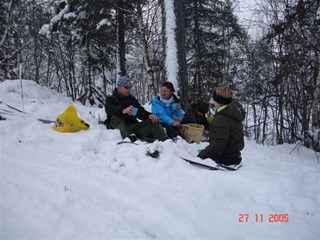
[{"x": 81, "y": 47}]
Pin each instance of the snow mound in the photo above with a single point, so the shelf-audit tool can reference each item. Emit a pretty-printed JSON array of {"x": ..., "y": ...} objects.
[{"x": 84, "y": 186}]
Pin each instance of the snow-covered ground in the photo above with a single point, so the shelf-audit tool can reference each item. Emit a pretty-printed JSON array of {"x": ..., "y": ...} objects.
[{"x": 84, "y": 186}]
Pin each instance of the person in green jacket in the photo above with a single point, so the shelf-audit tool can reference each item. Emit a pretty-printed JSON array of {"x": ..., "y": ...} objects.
[{"x": 226, "y": 129}]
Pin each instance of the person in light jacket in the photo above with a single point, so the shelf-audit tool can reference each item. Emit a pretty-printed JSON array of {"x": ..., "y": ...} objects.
[
  {"x": 226, "y": 130},
  {"x": 166, "y": 106}
]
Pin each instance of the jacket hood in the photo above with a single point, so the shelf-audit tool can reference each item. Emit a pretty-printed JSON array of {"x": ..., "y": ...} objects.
[
  {"x": 175, "y": 99},
  {"x": 234, "y": 110}
]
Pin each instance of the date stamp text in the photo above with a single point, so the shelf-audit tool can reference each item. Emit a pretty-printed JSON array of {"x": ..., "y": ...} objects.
[{"x": 271, "y": 218}]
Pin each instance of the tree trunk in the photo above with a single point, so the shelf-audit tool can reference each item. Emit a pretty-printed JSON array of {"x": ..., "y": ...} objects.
[
  {"x": 315, "y": 111},
  {"x": 164, "y": 40},
  {"x": 121, "y": 42},
  {"x": 280, "y": 139},
  {"x": 181, "y": 51},
  {"x": 144, "y": 43},
  {"x": 197, "y": 38}
]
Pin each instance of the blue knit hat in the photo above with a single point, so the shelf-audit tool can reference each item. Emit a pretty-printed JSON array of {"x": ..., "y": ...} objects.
[{"x": 124, "y": 81}]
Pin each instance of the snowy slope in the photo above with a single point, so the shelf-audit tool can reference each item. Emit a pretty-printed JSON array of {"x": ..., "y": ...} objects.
[{"x": 84, "y": 186}]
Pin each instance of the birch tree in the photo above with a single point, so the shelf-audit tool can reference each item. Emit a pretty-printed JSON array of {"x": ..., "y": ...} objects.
[
  {"x": 145, "y": 49},
  {"x": 171, "y": 45}
]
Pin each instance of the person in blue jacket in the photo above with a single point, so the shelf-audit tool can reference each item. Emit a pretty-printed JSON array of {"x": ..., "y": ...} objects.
[{"x": 166, "y": 106}]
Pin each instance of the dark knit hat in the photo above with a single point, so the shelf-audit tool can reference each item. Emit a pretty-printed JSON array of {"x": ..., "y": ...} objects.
[
  {"x": 124, "y": 81},
  {"x": 202, "y": 107},
  {"x": 220, "y": 99}
]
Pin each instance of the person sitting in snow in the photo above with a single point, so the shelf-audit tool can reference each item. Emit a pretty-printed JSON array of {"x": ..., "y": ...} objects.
[
  {"x": 226, "y": 130},
  {"x": 123, "y": 109},
  {"x": 166, "y": 106},
  {"x": 197, "y": 112}
]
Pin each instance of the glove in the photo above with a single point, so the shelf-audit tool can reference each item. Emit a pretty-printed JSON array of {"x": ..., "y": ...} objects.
[{"x": 203, "y": 154}]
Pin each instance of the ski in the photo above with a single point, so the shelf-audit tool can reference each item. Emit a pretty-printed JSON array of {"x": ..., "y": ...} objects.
[
  {"x": 124, "y": 141},
  {"x": 201, "y": 164},
  {"x": 45, "y": 121},
  {"x": 147, "y": 140},
  {"x": 144, "y": 140},
  {"x": 9, "y": 106},
  {"x": 11, "y": 113},
  {"x": 6, "y": 113},
  {"x": 213, "y": 168}
]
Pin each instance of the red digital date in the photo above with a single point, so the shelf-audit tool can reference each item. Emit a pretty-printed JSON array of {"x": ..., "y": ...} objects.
[
  {"x": 243, "y": 217},
  {"x": 272, "y": 218},
  {"x": 278, "y": 218}
]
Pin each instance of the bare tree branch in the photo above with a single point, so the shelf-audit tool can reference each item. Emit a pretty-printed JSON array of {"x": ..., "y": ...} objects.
[{"x": 16, "y": 52}]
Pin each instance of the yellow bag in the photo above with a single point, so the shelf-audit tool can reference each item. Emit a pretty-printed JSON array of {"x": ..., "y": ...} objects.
[
  {"x": 68, "y": 121},
  {"x": 192, "y": 132}
]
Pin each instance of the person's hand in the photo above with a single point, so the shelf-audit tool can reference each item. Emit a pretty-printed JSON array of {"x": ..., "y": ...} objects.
[
  {"x": 154, "y": 118},
  {"x": 128, "y": 110},
  {"x": 176, "y": 124}
]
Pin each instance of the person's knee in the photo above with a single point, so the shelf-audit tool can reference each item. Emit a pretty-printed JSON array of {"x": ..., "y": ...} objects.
[
  {"x": 116, "y": 120},
  {"x": 148, "y": 121}
]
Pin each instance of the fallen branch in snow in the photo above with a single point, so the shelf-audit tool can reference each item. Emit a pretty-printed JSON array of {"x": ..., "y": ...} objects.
[{"x": 298, "y": 145}]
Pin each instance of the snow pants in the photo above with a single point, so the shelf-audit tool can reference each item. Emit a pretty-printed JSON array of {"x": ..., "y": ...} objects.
[{"x": 144, "y": 129}]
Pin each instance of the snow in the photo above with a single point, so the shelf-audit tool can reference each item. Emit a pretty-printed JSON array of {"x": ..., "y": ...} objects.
[
  {"x": 104, "y": 22},
  {"x": 84, "y": 186},
  {"x": 46, "y": 29},
  {"x": 171, "y": 45}
]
